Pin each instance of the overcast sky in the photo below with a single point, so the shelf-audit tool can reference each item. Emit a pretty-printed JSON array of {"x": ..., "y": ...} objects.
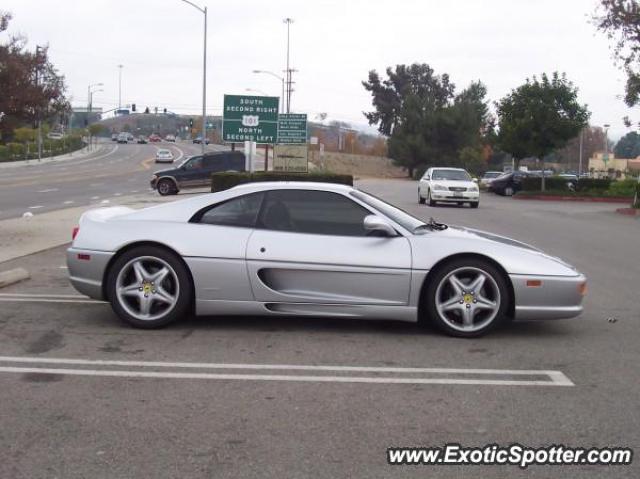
[{"x": 333, "y": 45}]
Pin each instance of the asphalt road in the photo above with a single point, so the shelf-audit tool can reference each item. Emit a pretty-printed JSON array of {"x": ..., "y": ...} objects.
[
  {"x": 110, "y": 426},
  {"x": 116, "y": 170}
]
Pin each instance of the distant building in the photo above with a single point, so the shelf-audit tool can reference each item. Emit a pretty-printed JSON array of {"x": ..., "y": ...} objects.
[
  {"x": 613, "y": 167},
  {"x": 82, "y": 117}
]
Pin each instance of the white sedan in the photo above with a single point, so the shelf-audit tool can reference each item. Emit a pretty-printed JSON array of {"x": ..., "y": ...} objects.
[
  {"x": 164, "y": 156},
  {"x": 448, "y": 185}
]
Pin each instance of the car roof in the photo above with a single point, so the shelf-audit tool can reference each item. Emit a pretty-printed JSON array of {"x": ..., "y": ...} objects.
[
  {"x": 447, "y": 168},
  {"x": 293, "y": 185}
]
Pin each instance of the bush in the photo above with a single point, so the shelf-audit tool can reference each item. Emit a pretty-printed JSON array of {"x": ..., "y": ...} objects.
[
  {"x": 561, "y": 184},
  {"x": 4, "y": 153},
  {"x": 591, "y": 184},
  {"x": 226, "y": 180},
  {"x": 16, "y": 150},
  {"x": 623, "y": 187}
]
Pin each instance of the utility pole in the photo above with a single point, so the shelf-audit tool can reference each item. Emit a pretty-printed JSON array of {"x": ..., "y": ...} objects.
[
  {"x": 288, "y": 22},
  {"x": 580, "y": 156},
  {"x": 38, "y": 119},
  {"x": 120, "y": 86}
]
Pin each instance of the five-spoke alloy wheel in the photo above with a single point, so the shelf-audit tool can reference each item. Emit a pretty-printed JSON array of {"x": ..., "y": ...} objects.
[
  {"x": 148, "y": 287},
  {"x": 467, "y": 297}
]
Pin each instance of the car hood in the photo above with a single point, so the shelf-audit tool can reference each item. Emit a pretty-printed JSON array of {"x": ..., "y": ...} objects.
[{"x": 166, "y": 171}]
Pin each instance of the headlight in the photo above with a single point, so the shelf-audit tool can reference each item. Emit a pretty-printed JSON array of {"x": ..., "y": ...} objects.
[
  {"x": 154, "y": 177},
  {"x": 473, "y": 188},
  {"x": 437, "y": 187}
]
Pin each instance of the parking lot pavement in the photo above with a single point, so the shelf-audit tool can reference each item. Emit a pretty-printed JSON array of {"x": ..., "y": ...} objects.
[{"x": 226, "y": 397}]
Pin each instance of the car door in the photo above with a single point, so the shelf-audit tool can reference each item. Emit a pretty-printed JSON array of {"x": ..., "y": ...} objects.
[
  {"x": 310, "y": 246},
  {"x": 192, "y": 172}
]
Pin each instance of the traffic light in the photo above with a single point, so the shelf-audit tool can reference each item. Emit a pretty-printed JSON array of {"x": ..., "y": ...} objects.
[
  {"x": 133, "y": 107},
  {"x": 190, "y": 122}
]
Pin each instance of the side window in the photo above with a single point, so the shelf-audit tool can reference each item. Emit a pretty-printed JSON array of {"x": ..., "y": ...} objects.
[
  {"x": 241, "y": 211},
  {"x": 314, "y": 212},
  {"x": 194, "y": 163}
]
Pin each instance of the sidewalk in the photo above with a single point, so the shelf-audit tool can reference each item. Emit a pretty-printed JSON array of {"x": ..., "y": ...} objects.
[
  {"x": 81, "y": 153},
  {"x": 24, "y": 236}
]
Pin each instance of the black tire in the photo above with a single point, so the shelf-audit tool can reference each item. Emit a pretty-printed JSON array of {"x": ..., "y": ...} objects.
[
  {"x": 430, "y": 202},
  {"x": 166, "y": 187},
  {"x": 182, "y": 305},
  {"x": 474, "y": 204},
  {"x": 421, "y": 200},
  {"x": 429, "y": 310}
]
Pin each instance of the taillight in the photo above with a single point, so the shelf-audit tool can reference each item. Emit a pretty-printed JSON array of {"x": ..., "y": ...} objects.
[{"x": 75, "y": 232}]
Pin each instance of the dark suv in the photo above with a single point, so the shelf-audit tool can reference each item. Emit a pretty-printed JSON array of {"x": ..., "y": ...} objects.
[
  {"x": 509, "y": 183},
  {"x": 196, "y": 171}
]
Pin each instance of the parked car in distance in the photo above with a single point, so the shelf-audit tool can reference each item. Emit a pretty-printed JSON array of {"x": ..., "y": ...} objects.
[
  {"x": 312, "y": 250},
  {"x": 164, "y": 156},
  {"x": 153, "y": 138},
  {"x": 142, "y": 140},
  {"x": 129, "y": 136},
  {"x": 509, "y": 183},
  {"x": 114, "y": 137},
  {"x": 196, "y": 171},
  {"x": 489, "y": 176},
  {"x": 123, "y": 138},
  {"x": 448, "y": 185},
  {"x": 171, "y": 138},
  {"x": 198, "y": 140}
]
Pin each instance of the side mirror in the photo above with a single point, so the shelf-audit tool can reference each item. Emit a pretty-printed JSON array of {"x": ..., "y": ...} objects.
[{"x": 375, "y": 223}]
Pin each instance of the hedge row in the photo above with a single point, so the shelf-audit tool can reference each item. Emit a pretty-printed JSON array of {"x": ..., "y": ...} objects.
[
  {"x": 18, "y": 151},
  {"x": 226, "y": 180},
  {"x": 555, "y": 183}
]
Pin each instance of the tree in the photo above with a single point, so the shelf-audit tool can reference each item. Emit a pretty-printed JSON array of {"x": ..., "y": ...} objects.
[
  {"x": 628, "y": 146},
  {"x": 539, "y": 117},
  {"x": 423, "y": 117},
  {"x": 620, "y": 21},
  {"x": 23, "y": 100}
]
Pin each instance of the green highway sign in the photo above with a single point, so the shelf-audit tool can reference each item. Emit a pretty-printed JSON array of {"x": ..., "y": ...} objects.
[
  {"x": 292, "y": 128},
  {"x": 250, "y": 118}
]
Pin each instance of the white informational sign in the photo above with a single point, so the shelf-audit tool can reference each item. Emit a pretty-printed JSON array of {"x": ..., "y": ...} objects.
[
  {"x": 313, "y": 140},
  {"x": 290, "y": 158}
]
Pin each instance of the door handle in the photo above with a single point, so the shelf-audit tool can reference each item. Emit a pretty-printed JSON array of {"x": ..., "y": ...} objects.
[{"x": 262, "y": 250}]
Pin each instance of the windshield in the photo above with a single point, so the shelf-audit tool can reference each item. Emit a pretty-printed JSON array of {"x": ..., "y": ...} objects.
[
  {"x": 404, "y": 219},
  {"x": 457, "y": 175}
]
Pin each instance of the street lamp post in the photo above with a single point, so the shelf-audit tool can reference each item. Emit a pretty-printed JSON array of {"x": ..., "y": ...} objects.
[
  {"x": 90, "y": 95},
  {"x": 288, "y": 21},
  {"x": 605, "y": 155},
  {"x": 279, "y": 78},
  {"x": 120, "y": 86},
  {"x": 204, "y": 74}
]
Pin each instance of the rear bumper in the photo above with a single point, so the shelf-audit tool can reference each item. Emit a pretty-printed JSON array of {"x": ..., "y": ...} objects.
[
  {"x": 86, "y": 275},
  {"x": 556, "y": 297}
]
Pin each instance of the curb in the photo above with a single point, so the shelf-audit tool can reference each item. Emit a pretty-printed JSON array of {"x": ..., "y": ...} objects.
[
  {"x": 12, "y": 276},
  {"x": 628, "y": 211},
  {"x": 587, "y": 199}
]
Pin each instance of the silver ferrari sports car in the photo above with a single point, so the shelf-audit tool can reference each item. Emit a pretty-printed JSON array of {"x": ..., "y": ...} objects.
[{"x": 312, "y": 249}]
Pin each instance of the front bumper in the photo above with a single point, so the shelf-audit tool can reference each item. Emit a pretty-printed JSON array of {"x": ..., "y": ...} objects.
[
  {"x": 87, "y": 269},
  {"x": 552, "y": 297},
  {"x": 438, "y": 195}
]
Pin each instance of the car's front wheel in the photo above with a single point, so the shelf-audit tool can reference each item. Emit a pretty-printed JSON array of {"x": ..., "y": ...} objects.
[
  {"x": 475, "y": 204},
  {"x": 166, "y": 187},
  {"x": 430, "y": 201},
  {"x": 421, "y": 200},
  {"x": 466, "y": 298},
  {"x": 149, "y": 287},
  {"x": 508, "y": 191}
]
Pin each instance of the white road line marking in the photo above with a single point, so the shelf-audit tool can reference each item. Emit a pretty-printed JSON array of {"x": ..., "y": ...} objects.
[
  {"x": 134, "y": 191},
  {"x": 63, "y": 267},
  {"x": 557, "y": 378},
  {"x": 117, "y": 194},
  {"x": 42, "y": 295},
  {"x": 68, "y": 202},
  {"x": 48, "y": 190},
  {"x": 35, "y": 207},
  {"x": 95, "y": 197},
  {"x": 273, "y": 377}
]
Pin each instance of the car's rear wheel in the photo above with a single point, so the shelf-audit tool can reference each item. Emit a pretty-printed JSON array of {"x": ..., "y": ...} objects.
[
  {"x": 429, "y": 200},
  {"x": 466, "y": 298},
  {"x": 166, "y": 187},
  {"x": 149, "y": 287}
]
